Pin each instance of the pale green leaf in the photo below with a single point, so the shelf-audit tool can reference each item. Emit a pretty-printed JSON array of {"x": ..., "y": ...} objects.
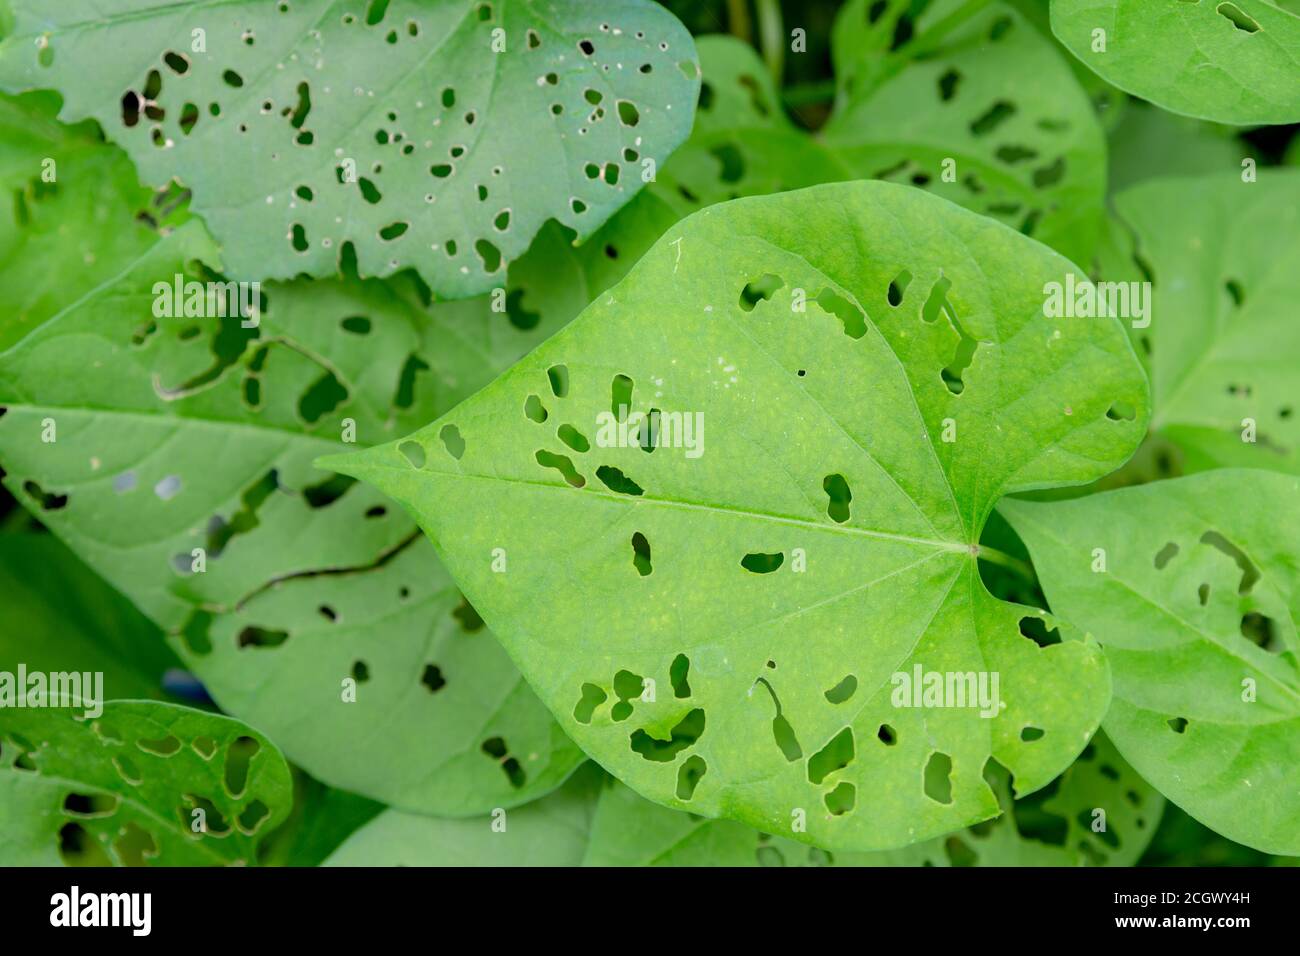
[
  {"x": 1223, "y": 340},
  {"x": 176, "y": 434},
  {"x": 666, "y": 547},
  {"x": 125, "y": 788},
  {"x": 1231, "y": 62},
  {"x": 436, "y": 136},
  {"x": 981, "y": 96},
  {"x": 1191, "y": 586},
  {"x": 549, "y": 832}
]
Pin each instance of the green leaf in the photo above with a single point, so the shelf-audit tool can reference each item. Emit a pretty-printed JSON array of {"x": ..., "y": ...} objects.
[
  {"x": 61, "y": 617},
  {"x": 395, "y": 127},
  {"x": 176, "y": 434},
  {"x": 125, "y": 788},
  {"x": 982, "y": 96},
  {"x": 1062, "y": 829},
  {"x": 825, "y": 445},
  {"x": 321, "y": 819},
  {"x": 1227, "y": 62},
  {"x": 551, "y": 831},
  {"x": 1223, "y": 339},
  {"x": 1148, "y": 143},
  {"x": 1197, "y": 607}
]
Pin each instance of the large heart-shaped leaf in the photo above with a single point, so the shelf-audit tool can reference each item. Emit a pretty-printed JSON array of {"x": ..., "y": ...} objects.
[
  {"x": 1231, "y": 62},
  {"x": 856, "y": 353},
  {"x": 173, "y": 455},
  {"x": 551, "y": 831},
  {"x": 438, "y": 136},
  {"x": 1101, "y": 813},
  {"x": 145, "y": 784},
  {"x": 1223, "y": 340},
  {"x": 1191, "y": 585}
]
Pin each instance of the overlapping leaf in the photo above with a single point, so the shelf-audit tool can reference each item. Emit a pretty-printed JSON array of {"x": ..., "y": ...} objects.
[
  {"x": 972, "y": 103},
  {"x": 173, "y": 455},
  {"x": 145, "y": 784},
  {"x": 549, "y": 832},
  {"x": 1191, "y": 586},
  {"x": 439, "y": 136},
  {"x": 820, "y": 539},
  {"x": 1231, "y": 62},
  {"x": 1223, "y": 345}
]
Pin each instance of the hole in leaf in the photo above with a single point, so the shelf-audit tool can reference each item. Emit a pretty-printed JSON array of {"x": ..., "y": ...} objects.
[
  {"x": 841, "y": 800},
  {"x": 641, "y": 554},
  {"x": 843, "y": 690},
  {"x": 759, "y": 290},
  {"x": 563, "y": 465},
  {"x": 432, "y": 678},
  {"x": 759, "y": 562},
  {"x": 592, "y": 697},
  {"x": 452, "y": 441},
  {"x": 837, "y": 490},
  {"x": 1165, "y": 555},
  {"x": 938, "y": 778},
  {"x": 836, "y": 755},
  {"x": 688, "y": 776},
  {"x": 678, "y": 672},
  {"x": 413, "y": 452},
  {"x": 614, "y": 479},
  {"x": 687, "y": 731}
]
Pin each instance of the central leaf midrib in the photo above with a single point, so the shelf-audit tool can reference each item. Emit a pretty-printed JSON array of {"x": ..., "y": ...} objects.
[{"x": 937, "y": 544}]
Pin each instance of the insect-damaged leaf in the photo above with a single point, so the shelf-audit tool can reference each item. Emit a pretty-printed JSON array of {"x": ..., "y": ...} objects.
[
  {"x": 1231, "y": 62},
  {"x": 971, "y": 102},
  {"x": 438, "y": 136},
  {"x": 1191, "y": 586},
  {"x": 1223, "y": 339},
  {"x": 145, "y": 784},
  {"x": 1100, "y": 813},
  {"x": 770, "y": 572},
  {"x": 171, "y": 450}
]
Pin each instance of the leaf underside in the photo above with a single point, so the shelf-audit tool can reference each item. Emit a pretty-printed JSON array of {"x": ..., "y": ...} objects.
[{"x": 396, "y": 127}]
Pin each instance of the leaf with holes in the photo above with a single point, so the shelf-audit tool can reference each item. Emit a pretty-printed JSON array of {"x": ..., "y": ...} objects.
[
  {"x": 1099, "y": 813},
  {"x": 143, "y": 784},
  {"x": 1232, "y": 62},
  {"x": 1191, "y": 586},
  {"x": 1222, "y": 339},
  {"x": 439, "y": 137},
  {"x": 179, "y": 468},
  {"x": 550, "y": 832},
  {"x": 971, "y": 102},
  {"x": 750, "y": 589}
]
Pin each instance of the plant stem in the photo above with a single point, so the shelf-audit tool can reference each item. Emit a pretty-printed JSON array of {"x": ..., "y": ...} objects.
[
  {"x": 738, "y": 20},
  {"x": 1022, "y": 569},
  {"x": 771, "y": 33}
]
